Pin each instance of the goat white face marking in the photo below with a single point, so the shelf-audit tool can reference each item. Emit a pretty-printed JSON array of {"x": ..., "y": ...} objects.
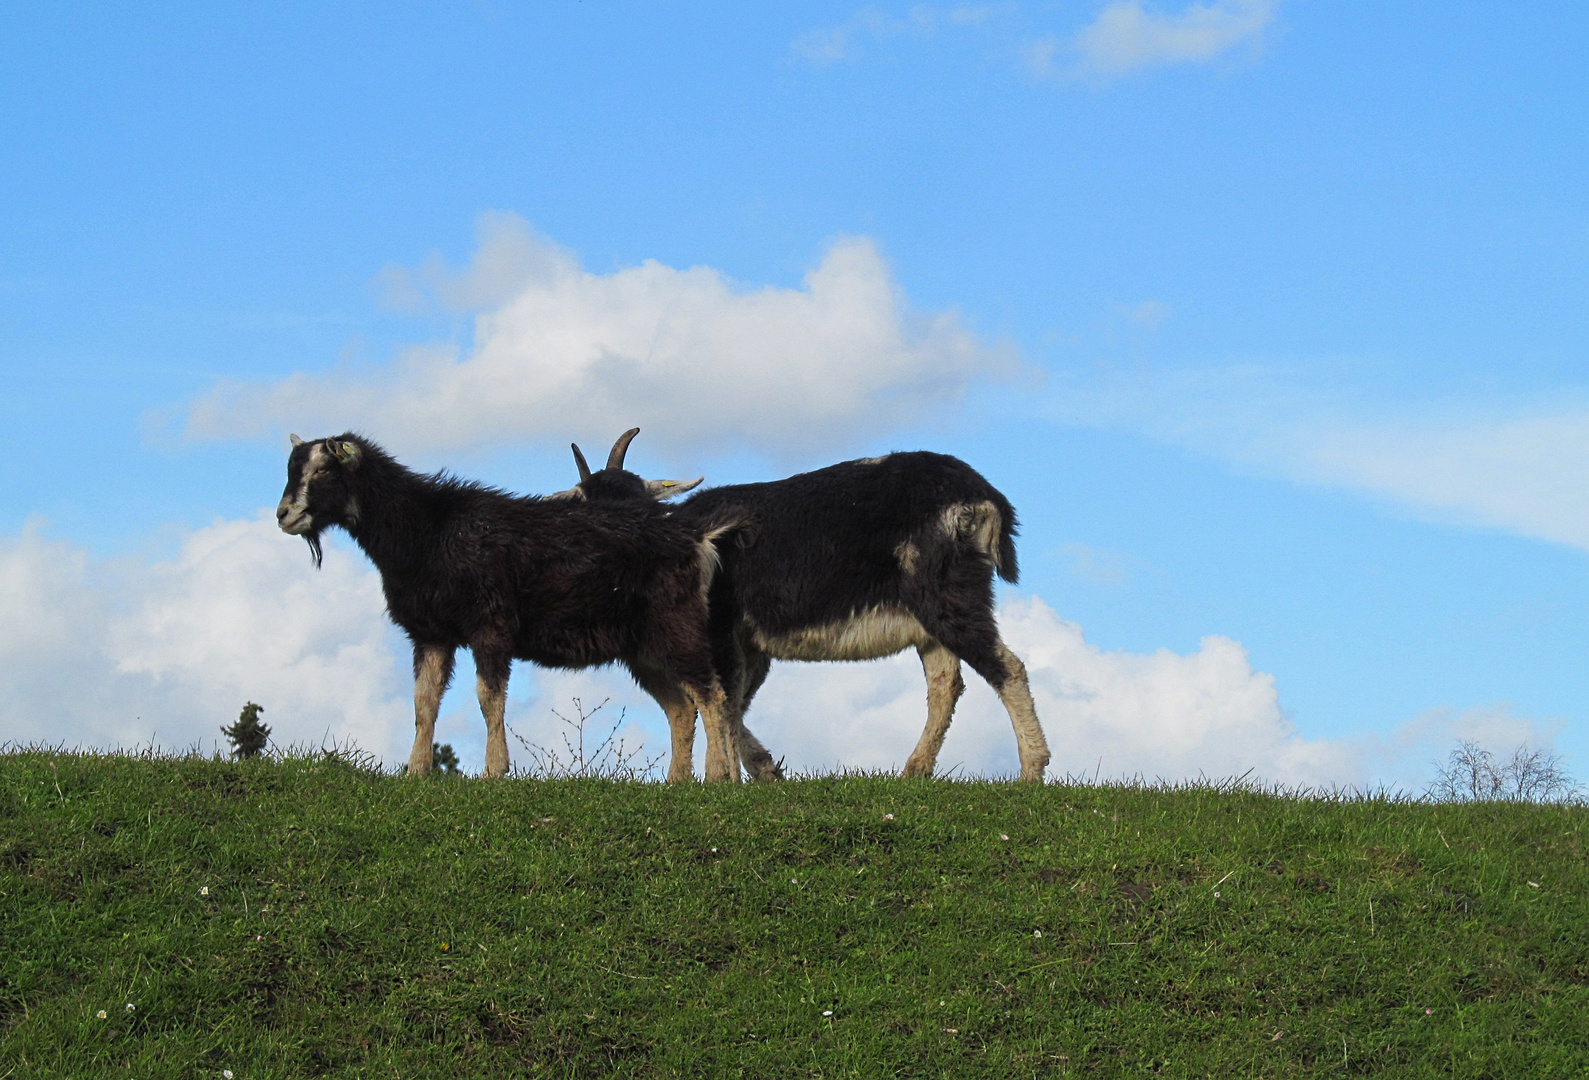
[
  {"x": 866, "y": 635},
  {"x": 292, "y": 513}
]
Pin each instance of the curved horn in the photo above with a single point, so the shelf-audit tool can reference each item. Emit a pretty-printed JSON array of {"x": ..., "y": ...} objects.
[
  {"x": 579, "y": 459},
  {"x": 620, "y": 448}
]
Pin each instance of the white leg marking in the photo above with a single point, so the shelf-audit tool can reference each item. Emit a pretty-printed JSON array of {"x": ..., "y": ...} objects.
[
  {"x": 493, "y": 705},
  {"x": 722, "y": 735},
  {"x": 944, "y": 687},
  {"x": 1017, "y": 698},
  {"x": 432, "y": 670}
]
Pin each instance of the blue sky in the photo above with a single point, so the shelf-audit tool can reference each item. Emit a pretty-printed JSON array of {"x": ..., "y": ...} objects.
[{"x": 1269, "y": 316}]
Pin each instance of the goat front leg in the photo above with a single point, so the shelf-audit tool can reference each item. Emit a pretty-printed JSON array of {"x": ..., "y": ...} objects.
[
  {"x": 432, "y": 673},
  {"x": 491, "y": 684}
]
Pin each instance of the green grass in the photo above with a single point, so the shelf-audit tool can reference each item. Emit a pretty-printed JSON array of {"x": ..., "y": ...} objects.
[{"x": 362, "y": 925}]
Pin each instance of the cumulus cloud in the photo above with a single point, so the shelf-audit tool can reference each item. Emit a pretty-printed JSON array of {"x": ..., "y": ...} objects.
[
  {"x": 1127, "y": 37},
  {"x": 561, "y": 353},
  {"x": 1122, "y": 714},
  {"x": 123, "y": 653}
]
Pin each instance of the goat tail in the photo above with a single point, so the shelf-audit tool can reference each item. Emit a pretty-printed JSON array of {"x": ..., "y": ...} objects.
[
  {"x": 1003, "y": 551},
  {"x": 1004, "y": 560},
  {"x": 989, "y": 526}
]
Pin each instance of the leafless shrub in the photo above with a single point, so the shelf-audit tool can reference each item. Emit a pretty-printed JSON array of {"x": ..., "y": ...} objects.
[
  {"x": 1472, "y": 774},
  {"x": 609, "y": 759}
]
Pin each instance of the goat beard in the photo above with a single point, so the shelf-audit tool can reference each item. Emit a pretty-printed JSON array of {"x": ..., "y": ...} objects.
[{"x": 312, "y": 538}]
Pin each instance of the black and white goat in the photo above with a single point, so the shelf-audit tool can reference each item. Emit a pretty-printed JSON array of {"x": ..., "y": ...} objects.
[
  {"x": 853, "y": 562},
  {"x": 563, "y": 584}
]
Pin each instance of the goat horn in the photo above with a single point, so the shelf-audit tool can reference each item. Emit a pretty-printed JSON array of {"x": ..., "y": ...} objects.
[
  {"x": 620, "y": 448},
  {"x": 579, "y": 459}
]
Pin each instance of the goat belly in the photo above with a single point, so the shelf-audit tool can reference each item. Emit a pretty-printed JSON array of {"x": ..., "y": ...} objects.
[
  {"x": 571, "y": 647},
  {"x": 865, "y": 635}
]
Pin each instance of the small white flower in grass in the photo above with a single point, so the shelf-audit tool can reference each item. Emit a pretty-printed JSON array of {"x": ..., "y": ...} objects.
[
  {"x": 227, "y": 1073},
  {"x": 1004, "y": 836},
  {"x": 130, "y": 1006},
  {"x": 102, "y": 1014},
  {"x": 827, "y": 1012},
  {"x": 714, "y": 851},
  {"x": 888, "y": 817},
  {"x": 794, "y": 881},
  {"x": 1216, "y": 894},
  {"x": 1037, "y": 933},
  {"x": 204, "y": 890}
]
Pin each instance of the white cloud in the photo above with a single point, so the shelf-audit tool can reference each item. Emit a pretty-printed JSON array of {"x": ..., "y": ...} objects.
[
  {"x": 683, "y": 353},
  {"x": 1527, "y": 474},
  {"x": 1159, "y": 714},
  {"x": 123, "y": 653},
  {"x": 1522, "y": 467},
  {"x": 1126, "y": 37}
]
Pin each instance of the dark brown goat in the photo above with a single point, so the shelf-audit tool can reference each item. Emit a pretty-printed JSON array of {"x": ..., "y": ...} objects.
[
  {"x": 855, "y": 561},
  {"x": 557, "y": 582}
]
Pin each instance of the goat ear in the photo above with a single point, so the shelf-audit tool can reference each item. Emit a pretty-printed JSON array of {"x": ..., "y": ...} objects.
[
  {"x": 666, "y": 489},
  {"x": 346, "y": 452},
  {"x": 296, "y": 442}
]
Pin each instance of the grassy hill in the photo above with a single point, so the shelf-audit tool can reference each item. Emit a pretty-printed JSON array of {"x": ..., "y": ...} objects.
[{"x": 182, "y": 917}]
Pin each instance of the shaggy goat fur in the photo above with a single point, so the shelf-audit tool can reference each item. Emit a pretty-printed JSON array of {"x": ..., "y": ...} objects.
[
  {"x": 857, "y": 561},
  {"x": 562, "y": 584}
]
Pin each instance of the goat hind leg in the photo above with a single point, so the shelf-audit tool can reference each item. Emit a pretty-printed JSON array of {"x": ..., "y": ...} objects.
[
  {"x": 722, "y": 734},
  {"x": 757, "y": 759},
  {"x": 432, "y": 673},
  {"x": 944, "y": 687},
  {"x": 679, "y": 708},
  {"x": 982, "y": 648},
  {"x": 1017, "y": 697},
  {"x": 491, "y": 686}
]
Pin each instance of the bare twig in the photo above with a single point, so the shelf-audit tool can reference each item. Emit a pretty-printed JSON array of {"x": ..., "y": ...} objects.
[{"x": 610, "y": 759}]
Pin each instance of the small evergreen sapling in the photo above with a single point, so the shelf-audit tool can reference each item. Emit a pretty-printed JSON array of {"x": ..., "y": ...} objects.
[
  {"x": 248, "y": 736},
  {"x": 443, "y": 761}
]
